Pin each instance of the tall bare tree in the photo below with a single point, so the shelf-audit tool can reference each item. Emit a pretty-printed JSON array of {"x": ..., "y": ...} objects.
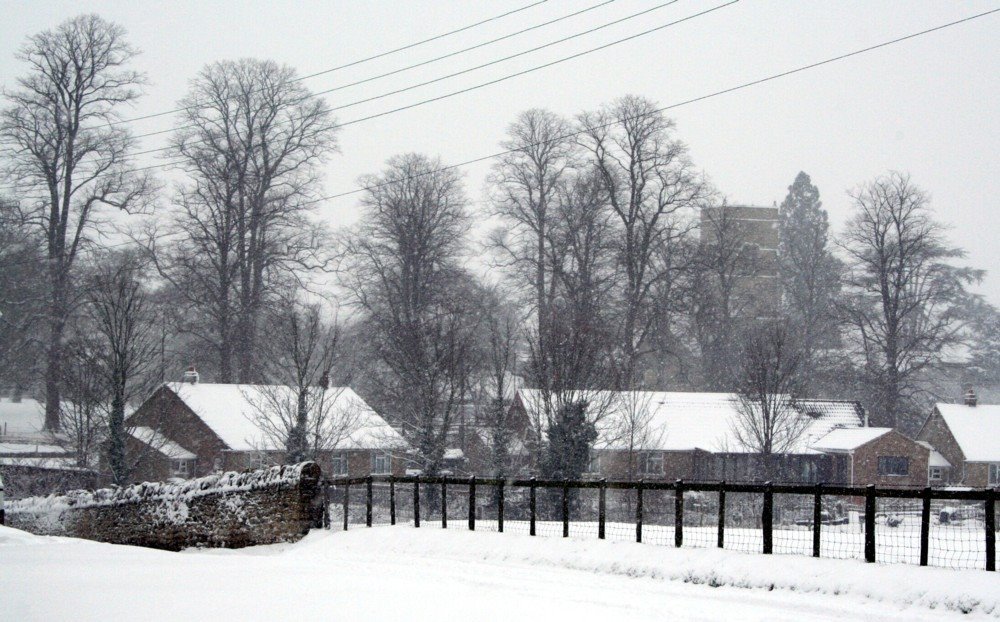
[
  {"x": 907, "y": 300},
  {"x": 418, "y": 305},
  {"x": 768, "y": 423},
  {"x": 652, "y": 189},
  {"x": 60, "y": 139},
  {"x": 251, "y": 138},
  {"x": 526, "y": 183}
]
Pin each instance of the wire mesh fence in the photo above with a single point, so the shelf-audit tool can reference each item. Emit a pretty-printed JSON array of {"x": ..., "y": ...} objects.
[{"x": 946, "y": 528}]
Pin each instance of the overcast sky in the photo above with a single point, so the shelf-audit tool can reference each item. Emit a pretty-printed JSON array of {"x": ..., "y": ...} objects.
[{"x": 927, "y": 106}]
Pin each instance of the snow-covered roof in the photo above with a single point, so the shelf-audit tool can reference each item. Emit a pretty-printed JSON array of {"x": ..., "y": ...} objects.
[
  {"x": 161, "y": 443},
  {"x": 22, "y": 420},
  {"x": 62, "y": 464},
  {"x": 680, "y": 421},
  {"x": 976, "y": 429},
  {"x": 22, "y": 448},
  {"x": 843, "y": 440},
  {"x": 234, "y": 413}
]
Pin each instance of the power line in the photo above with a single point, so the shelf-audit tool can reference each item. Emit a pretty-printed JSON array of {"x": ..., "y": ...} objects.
[
  {"x": 445, "y": 77},
  {"x": 711, "y": 95},
  {"x": 362, "y": 60},
  {"x": 478, "y": 86}
]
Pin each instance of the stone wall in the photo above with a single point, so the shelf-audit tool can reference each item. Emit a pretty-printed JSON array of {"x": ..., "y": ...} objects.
[
  {"x": 23, "y": 480},
  {"x": 230, "y": 510}
]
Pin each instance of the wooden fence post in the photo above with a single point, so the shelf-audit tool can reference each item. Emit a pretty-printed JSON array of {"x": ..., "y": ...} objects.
[
  {"x": 991, "y": 530},
  {"x": 326, "y": 505},
  {"x": 392, "y": 500},
  {"x": 817, "y": 518},
  {"x": 347, "y": 501},
  {"x": 565, "y": 508},
  {"x": 500, "y": 503},
  {"x": 601, "y": 508},
  {"x": 416, "y": 501},
  {"x": 767, "y": 519},
  {"x": 722, "y": 514},
  {"x": 532, "y": 506},
  {"x": 870, "y": 524},
  {"x": 368, "y": 502},
  {"x": 638, "y": 511},
  {"x": 679, "y": 514},
  {"x": 444, "y": 504},
  {"x": 925, "y": 526},
  {"x": 472, "y": 503}
]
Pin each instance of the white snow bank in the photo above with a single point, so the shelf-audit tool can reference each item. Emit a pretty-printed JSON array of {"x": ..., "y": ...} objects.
[{"x": 965, "y": 591}]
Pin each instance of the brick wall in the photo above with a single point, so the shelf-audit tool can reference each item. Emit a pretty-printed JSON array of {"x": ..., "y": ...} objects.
[
  {"x": 936, "y": 432},
  {"x": 230, "y": 510},
  {"x": 891, "y": 444}
]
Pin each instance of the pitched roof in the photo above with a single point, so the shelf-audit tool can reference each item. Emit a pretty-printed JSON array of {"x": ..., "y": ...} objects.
[
  {"x": 976, "y": 429},
  {"x": 935, "y": 459},
  {"x": 844, "y": 440},
  {"x": 684, "y": 421},
  {"x": 234, "y": 411},
  {"x": 161, "y": 443}
]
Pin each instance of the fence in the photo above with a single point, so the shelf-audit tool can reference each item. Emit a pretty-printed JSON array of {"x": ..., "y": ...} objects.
[{"x": 939, "y": 527}]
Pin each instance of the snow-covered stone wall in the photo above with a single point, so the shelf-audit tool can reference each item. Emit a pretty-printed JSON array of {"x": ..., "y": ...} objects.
[{"x": 229, "y": 510}]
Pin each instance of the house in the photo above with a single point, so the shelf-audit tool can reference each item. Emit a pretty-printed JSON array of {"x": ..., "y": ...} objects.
[
  {"x": 968, "y": 436},
  {"x": 34, "y": 461},
  {"x": 881, "y": 456},
  {"x": 189, "y": 429},
  {"x": 694, "y": 436}
]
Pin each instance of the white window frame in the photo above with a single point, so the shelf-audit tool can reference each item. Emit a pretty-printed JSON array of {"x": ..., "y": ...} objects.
[
  {"x": 376, "y": 458},
  {"x": 339, "y": 464},
  {"x": 651, "y": 458},
  {"x": 180, "y": 468},
  {"x": 993, "y": 474},
  {"x": 935, "y": 474}
]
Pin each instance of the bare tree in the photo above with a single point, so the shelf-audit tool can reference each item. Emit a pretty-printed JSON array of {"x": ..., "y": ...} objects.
[
  {"x": 60, "y": 140},
  {"x": 251, "y": 139},
  {"x": 526, "y": 183},
  {"x": 22, "y": 296},
  {"x": 299, "y": 411},
  {"x": 419, "y": 307},
  {"x": 651, "y": 186},
  {"x": 768, "y": 423},
  {"x": 498, "y": 385},
  {"x": 722, "y": 293},
  {"x": 907, "y": 301},
  {"x": 634, "y": 429}
]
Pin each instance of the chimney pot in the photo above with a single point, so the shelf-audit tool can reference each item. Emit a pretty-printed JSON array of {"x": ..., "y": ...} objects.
[
  {"x": 970, "y": 397},
  {"x": 191, "y": 375}
]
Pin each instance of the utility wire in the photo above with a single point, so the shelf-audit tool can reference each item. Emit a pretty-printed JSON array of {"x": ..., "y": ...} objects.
[
  {"x": 450, "y": 75},
  {"x": 474, "y": 87},
  {"x": 362, "y": 60},
  {"x": 739, "y": 87}
]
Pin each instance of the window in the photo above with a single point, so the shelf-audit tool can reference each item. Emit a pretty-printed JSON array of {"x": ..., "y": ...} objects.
[
  {"x": 339, "y": 465},
  {"x": 180, "y": 468},
  {"x": 893, "y": 465},
  {"x": 651, "y": 464},
  {"x": 995, "y": 475},
  {"x": 934, "y": 474},
  {"x": 381, "y": 464},
  {"x": 595, "y": 463}
]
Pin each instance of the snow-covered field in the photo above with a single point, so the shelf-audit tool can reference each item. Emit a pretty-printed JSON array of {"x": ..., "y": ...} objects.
[{"x": 433, "y": 574}]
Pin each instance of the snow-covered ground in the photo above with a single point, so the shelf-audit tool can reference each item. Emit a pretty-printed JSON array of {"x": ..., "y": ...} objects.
[{"x": 432, "y": 574}]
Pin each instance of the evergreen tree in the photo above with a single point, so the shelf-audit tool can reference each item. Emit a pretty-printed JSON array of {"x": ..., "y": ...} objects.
[
  {"x": 571, "y": 436},
  {"x": 810, "y": 274}
]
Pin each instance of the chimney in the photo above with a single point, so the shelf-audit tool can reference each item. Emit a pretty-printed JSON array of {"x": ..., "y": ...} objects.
[
  {"x": 324, "y": 381},
  {"x": 970, "y": 398},
  {"x": 190, "y": 376}
]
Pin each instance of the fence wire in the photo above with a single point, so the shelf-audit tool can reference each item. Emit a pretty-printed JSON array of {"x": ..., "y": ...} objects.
[{"x": 956, "y": 529}]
